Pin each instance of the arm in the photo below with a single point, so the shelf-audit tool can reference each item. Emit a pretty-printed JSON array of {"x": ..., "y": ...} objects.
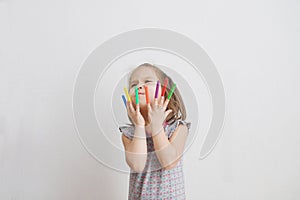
[
  {"x": 170, "y": 151},
  {"x": 136, "y": 149}
]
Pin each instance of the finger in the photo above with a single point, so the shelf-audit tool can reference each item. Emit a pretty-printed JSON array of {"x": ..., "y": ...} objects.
[
  {"x": 149, "y": 108},
  {"x": 166, "y": 104},
  {"x": 165, "y": 86},
  {"x": 147, "y": 94},
  {"x": 137, "y": 108},
  {"x": 167, "y": 113},
  {"x": 172, "y": 90},
  {"x": 127, "y": 94},
  {"x": 136, "y": 95},
  {"x": 155, "y": 102},
  {"x": 128, "y": 107},
  {"x": 162, "y": 98},
  {"x": 149, "y": 111},
  {"x": 124, "y": 100},
  {"x": 131, "y": 108},
  {"x": 156, "y": 90}
]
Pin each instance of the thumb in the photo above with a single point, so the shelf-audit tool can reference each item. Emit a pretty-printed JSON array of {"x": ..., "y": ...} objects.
[{"x": 149, "y": 109}]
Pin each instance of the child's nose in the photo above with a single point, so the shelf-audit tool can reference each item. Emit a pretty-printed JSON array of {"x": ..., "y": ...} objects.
[{"x": 140, "y": 87}]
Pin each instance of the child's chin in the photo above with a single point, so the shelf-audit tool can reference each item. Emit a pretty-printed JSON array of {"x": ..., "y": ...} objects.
[{"x": 142, "y": 105}]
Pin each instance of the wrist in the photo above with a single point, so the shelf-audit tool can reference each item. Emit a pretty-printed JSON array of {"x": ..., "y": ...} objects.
[
  {"x": 139, "y": 125},
  {"x": 139, "y": 132},
  {"x": 156, "y": 128}
]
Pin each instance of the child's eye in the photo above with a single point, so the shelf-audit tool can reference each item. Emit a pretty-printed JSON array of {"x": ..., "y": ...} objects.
[{"x": 147, "y": 81}]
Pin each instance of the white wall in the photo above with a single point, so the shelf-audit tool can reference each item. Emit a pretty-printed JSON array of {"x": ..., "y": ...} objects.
[{"x": 253, "y": 44}]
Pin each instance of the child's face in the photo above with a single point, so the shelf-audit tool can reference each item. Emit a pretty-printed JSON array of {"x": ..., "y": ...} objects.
[{"x": 140, "y": 78}]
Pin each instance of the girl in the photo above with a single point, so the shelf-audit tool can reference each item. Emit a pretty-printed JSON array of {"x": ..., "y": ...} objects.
[{"x": 155, "y": 140}]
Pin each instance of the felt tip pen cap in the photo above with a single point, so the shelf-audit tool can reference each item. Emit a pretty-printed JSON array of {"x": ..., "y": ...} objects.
[
  {"x": 126, "y": 93},
  {"x": 124, "y": 100},
  {"x": 172, "y": 90},
  {"x": 157, "y": 88},
  {"x": 136, "y": 95}
]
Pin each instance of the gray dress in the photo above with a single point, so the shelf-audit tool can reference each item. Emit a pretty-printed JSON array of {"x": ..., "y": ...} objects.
[{"x": 155, "y": 182}]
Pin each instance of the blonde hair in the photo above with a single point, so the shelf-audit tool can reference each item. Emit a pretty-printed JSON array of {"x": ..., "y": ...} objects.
[{"x": 176, "y": 103}]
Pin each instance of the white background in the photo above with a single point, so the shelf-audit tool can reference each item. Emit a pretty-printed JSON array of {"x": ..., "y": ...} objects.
[{"x": 254, "y": 45}]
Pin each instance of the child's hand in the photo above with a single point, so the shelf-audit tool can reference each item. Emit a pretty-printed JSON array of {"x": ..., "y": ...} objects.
[
  {"x": 157, "y": 114},
  {"x": 135, "y": 115}
]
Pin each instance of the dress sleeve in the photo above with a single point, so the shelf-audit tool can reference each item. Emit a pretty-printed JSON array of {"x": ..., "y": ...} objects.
[
  {"x": 176, "y": 124},
  {"x": 188, "y": 124},
  {"x": 127, "y": 131}
]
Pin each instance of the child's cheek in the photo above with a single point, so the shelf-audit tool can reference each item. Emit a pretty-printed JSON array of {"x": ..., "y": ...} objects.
[
  {"x": 152, "y": 93},
  {"x": 132, "y": 93}
]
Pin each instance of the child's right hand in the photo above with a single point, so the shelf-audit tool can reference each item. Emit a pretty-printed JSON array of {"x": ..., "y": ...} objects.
[{"x": 135, "y": 114}]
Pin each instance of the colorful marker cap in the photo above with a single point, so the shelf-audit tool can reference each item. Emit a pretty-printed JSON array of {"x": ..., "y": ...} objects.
[
  {"x": 172, "y": 90},
  {"x": 136, "y": 95}
]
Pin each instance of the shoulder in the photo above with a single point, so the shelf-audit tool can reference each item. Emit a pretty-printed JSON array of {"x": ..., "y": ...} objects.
[
  {"x": 175, "y": 125},
  {"x": 127, "y": 130},
  {"x": 177, "y": 138}
]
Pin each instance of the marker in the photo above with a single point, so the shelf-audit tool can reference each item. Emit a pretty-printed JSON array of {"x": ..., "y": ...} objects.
[
  {"x": 156, "y": 91},
  {"x": 127, "y": 95},
  {"x": 124, "y": 100},
  {"x": 136, "y": 95},
  {"x": 147, "y": 94},
  {"x": 165, "y": 86},
  {"x": 172, "y": 90}
]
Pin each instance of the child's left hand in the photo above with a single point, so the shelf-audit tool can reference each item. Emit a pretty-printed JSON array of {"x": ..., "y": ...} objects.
[{"x": 157, "y": 114}]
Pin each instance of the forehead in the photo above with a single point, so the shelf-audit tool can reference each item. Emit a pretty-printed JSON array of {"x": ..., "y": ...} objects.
[{"x": 142, "y": 73}]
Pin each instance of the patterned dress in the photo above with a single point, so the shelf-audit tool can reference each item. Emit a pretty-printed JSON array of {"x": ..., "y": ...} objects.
[{"x": 155, "y": 182}]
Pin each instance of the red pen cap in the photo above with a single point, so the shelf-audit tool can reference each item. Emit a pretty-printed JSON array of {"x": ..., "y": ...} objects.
[
  {"x": 165, "y": 86},
  {"x": 147, "y": 94}
]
